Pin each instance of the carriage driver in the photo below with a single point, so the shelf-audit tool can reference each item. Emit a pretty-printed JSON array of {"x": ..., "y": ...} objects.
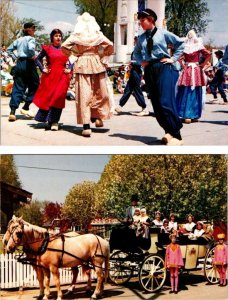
[{"x": 130, "y": 211}]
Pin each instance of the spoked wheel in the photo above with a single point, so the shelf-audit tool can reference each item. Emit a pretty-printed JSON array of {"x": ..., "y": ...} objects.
[
  {"x": 210, "y": 270},
  {"x": 152, "y": 273},
  {"x": 121, "y": 270}
]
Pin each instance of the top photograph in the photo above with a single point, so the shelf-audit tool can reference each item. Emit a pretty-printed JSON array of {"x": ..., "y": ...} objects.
[{"x": 114, "y": 73}]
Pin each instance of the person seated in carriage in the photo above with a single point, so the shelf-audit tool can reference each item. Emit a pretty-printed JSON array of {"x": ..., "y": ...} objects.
[
  {"x": 143, "y": 233},
  {"x": 157, "y": 221},
  {"x": 165, "y": 226},
  {"x": 172, "y": 223},
  {"x": 143, "y": 224},
  {"x": 199, "y": 231},
  {"x": 189, "y": 226},
  {"x": 136, "y": 219}
]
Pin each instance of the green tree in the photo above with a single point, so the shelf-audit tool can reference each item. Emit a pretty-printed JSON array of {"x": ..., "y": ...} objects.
[
  {"x": 103, "y": 10},
  {"x": 32, "y": 212},
  {"x": 79, "y": 203},
  {"x": 9, "y": 171},
  {"x": 177, "y": 183},
  {"x": 184, "y": 15},
  {"x": 9, "y": 24}
]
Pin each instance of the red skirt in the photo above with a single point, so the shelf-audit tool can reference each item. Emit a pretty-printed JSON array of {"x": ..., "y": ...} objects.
[{"x": 53, "y": 89}]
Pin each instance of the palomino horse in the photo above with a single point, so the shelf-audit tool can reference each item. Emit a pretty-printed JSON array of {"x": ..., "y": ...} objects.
[
  {"x": 53, "y": 252},
  {"x": 39, "y": 270}
]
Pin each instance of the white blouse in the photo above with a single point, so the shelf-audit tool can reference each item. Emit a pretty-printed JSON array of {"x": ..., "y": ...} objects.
[{"x": 189, "y": 226}]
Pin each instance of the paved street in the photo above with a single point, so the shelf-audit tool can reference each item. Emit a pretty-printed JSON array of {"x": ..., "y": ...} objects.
[
  {"x": 192, "y": 287},
  {"x": 120, "y": 130}
]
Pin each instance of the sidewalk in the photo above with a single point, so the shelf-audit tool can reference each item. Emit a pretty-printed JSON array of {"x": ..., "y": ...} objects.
[{"x": 120, "y": 130}]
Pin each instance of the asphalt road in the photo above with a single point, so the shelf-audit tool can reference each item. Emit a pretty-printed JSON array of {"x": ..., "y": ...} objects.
[
  {"x": 192, "y": 287},
  {"x": 120, "y": 130}
]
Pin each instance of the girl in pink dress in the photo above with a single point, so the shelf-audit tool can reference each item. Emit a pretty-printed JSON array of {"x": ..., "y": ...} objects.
[
  {"x": 173, "y": 261},
  {"x": 220, "y": 259}
]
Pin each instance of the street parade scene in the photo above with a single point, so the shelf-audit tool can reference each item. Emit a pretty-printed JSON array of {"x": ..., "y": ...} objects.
[{"x": 89, "y": 208}]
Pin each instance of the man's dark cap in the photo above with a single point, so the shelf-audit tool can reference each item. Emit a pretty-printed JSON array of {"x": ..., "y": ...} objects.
[
  {"x": 219, "y": 52},
  {"x": 29, "y": 25},
  {"x": 147, "y": 13},
  {"x": 134, "y": 197}
]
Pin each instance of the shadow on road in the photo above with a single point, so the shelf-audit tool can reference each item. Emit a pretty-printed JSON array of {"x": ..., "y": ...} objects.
[
  {"x": 80, "y": 293},
  {"x": 221, "y": 111},
  {"x": 144, "y": 139},
  {"x": 185, "y": 281},
  {"x": 215, "y": 122}
]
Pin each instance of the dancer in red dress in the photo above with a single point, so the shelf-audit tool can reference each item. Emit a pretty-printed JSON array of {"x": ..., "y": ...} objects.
[{"x": 55, "y": 79}]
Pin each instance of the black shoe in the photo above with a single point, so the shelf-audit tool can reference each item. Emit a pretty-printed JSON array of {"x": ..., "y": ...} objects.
[
  {"x": 171, "y": 292},
  {"x": 176, "y": 292}
]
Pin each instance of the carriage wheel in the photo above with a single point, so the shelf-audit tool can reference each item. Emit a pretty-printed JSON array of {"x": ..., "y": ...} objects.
[
  {"x": 152, "y": 273},
  {"x": 210, "y": 271},
  {"x": 121, "y": 270}
]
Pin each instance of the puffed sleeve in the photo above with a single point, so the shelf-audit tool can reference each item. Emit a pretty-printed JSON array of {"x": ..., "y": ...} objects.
[
  {"x": 177, "y": 43},
  {"x": 69, "y": 46}
]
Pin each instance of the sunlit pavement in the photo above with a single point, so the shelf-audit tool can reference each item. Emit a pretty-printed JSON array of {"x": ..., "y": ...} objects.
[
  {"x": 192, "y": 287},
  {"x": 121, "y": 130}
]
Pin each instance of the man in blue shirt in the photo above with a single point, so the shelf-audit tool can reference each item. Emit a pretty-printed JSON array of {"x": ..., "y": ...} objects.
[
  {"x": 24, "y": 73},
  {"x": 160, "y": 73}
]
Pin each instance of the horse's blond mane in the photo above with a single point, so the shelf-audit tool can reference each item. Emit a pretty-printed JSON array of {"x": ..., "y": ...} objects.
[{"x": 38, "y": 231}]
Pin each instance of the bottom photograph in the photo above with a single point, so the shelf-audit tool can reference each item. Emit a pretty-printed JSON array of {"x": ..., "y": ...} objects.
[{"x": 113, "y": 227}]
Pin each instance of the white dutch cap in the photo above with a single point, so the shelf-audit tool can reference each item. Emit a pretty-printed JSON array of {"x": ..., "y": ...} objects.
[
  {"x": 86, "y": 24},
  {"x": 143, "y": 210}
]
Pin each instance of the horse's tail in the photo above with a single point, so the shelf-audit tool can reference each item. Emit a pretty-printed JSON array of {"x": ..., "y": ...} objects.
[{"x": 107, "y": 265}]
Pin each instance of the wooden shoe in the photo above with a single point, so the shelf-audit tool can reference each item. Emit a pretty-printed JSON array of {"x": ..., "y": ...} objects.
[
  {"x": 54, "y": 127},
  {"x": 99, "y": 123},
  {"x": 175, "y": 142},
  {"x": 118, "y": 109},
  {"x": 187, "y": 121},
  {"x": 86, "y": 132},
  {"x": 12, "y": 118},
  {"x": 27, "y": 113},
  {"x": 166, "y": 138}
]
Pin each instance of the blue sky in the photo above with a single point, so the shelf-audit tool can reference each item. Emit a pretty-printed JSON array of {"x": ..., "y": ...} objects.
[
  {"x": 62, "y": 14},
  {"x": 54, "y": 185}
]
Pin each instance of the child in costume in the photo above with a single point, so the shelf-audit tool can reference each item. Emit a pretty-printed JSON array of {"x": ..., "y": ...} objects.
[
  {"x": 220, "y": 259},
  {"x": 173, "y": 261}
]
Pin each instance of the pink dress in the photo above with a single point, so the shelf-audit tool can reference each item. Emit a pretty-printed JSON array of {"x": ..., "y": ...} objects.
[
  {"x": 220, "y": 257},
  {"x": 173, "y": 256}
]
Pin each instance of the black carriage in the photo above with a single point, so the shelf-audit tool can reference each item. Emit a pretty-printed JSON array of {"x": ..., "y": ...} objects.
[{"x": 132, "y": 257}]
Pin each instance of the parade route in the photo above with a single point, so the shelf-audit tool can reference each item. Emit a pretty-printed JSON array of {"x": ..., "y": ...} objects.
[
  {"x": 121, "y": 130},
  {"x": 192, "y": 286}
]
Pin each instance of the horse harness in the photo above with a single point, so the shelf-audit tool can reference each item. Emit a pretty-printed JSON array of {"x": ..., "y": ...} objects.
[{"x": 44, "y": 247}]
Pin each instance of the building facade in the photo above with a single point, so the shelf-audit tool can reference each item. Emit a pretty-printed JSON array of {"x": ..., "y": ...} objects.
[{"x": 126, "y": 26}]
